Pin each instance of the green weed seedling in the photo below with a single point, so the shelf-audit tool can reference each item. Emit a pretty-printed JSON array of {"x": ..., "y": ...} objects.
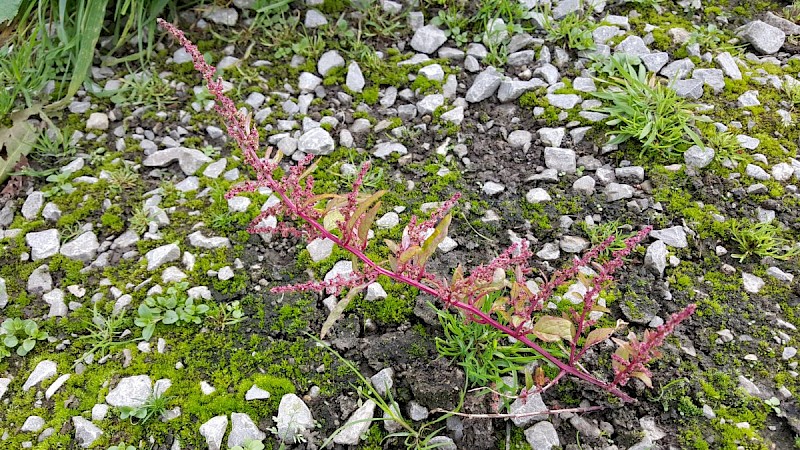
[
  {"x": 646, "y": 110},
  {"x": 250, "y": 444},
  {"x": 174, "y": 307},
  {"x": 454, "y": 24},
  {"x": 762, "y": 240},
  {"x": 20, "y": 334},
  {"x": 122, "y": 446},
  {"x": 227, "y": 315},
  {"x": 155, "y": 406},
  {"x": 574, "y": 30},
  {"x": 105, "y": 334}
]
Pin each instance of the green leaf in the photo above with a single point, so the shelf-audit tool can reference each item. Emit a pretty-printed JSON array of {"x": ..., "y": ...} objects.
[
  {"x": 553, "y": 329},
  {"x": 31, "y": 328},
  {"x": 10, "y": 341},
  {"x": 8, "y": 10},
  {"x": 28, "y": 345},
  {"x": 170, "y": 317},
  {"x": 147, "y": 332},
  {"x": 90, "y": 27}
]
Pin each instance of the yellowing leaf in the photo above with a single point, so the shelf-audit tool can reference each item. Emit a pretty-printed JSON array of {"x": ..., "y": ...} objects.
[
  {"x": 366, "y": 222},
  {"x": 645, "y": 379},
  {"x": 361, "y": 209},
  {"x": 597, "y": 336},
  {"x": 332, "y": 219},
  {"x": 338, "y": 310},
  {"x": 439, "y": 233},
  {"x": 553, "y": 329},
  {"x": 16, "y": 141}
]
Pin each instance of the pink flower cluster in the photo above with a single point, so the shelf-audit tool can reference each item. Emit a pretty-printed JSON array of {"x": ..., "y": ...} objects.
[{"x": 303, "y": 214}]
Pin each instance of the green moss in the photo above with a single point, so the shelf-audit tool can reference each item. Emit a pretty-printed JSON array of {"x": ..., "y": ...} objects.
[
  {"x": 112, "y": 219},
  {"x": 370, "y": 95},
  {"x": 423, "y": 86}
]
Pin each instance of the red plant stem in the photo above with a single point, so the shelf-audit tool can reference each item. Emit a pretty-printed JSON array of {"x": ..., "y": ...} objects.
[{"x": 470, "y": 309}]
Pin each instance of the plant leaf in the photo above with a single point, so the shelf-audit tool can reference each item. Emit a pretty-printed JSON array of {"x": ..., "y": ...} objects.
[
  {"x": 439, "y": 233},
  {"x": 366, "y": 222},
  {"x": 597, "y": 336},
  {"x": 360, "y": 211},
  {"x": 338, "y": 310},
  {"x": 17, "y": 141},
  {"x": 90, "y": 26},
  {"x": 553, "y": 329}
]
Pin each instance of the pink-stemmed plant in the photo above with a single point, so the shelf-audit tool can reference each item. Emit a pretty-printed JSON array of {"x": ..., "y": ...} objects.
[{"x": 346, "y": 219}]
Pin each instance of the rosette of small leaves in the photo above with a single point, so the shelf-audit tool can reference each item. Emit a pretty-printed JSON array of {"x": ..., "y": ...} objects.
[
  {"x": 174, "y": 307},
  {"x": 20, "y": 334}
]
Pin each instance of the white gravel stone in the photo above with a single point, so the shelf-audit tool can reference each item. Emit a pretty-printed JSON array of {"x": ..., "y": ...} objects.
[
  {"x": 32, "y": 424},
  {"x": 752, "y": 283},
  {"x": 44, "y": 244},
  {"x": 561, "y": 159},
  {"x": 748, "y": 99},
  {"x": 222, "y": 16},
  {"x": 375, "y": 292},
  {"x": 33, "y": 204},
  {"x": 519, "y": 138},
  {"x": 320, "y": 249},
  {"x": 788, "y": 353},
  {"x": 756, "y": 172},
  {"x": 429, "y": 103},
  {"x": 728, "y": 65},
  {"x": 56, "y": 385},
  {"x": 765, "y": 38},
  {"x": 523, "y": 409},
  {"x": 256, "y": 393},
  {"x": 82, "y": 248},
  {"x": 389, "y": 220},
  {"x": 618, "y": 191},
  {"x": 55, "y": 299},
  {"x": 97, "y": 121},
  {"x": 563, "y": 101},
  {"x": 384, "y": 149},
  {"x": 329, "y": 60},
  {"x": 584, "y": 185},
  {"x": 491, "y": 188},
  {"x": 357, "y": 425},
  {"x": 573, "y": 244},
  {"x": 552, "y": 137},
  {"x": 656, "y": 257},
  {"x": 197, "y": 239},
  {"x": 162, "y": 255},
  {"x": 428, "y": 39},
  {"x": 698, "y": 157},
  {"x": 537, "y": 195},
  {"x": 484, "y": 86},
  {"x": 130, "y": 391},
  {"x": 355, "y": 78},
  {"x": 243, "y": 429},
  {"x": 214, "y": 430},
  {"x": 780, "y": 275},
  {"x": 316, "y": 141},
  {"x": 293, "y": 418},
  {"x": 383, "y": 381},
  {"x": 44, "y": 370},
  {"x": 307, "y": 82},
  {"x": 432, "y": 72},
  {"x": 314, "y": 19},
  {"x": 542, "y": 436},
  {"x": 86, "y": 433},
  {"x": 674, "y": 236}
]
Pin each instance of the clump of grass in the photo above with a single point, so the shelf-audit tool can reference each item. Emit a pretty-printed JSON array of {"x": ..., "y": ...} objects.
[
  {"x": 480, "y": 350},
  {"x": 762, "y": 240},
  {"x": 643, "y": 109},
  {"x": 574, "y": 30},
  {"x": 726, "y": 146}
]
